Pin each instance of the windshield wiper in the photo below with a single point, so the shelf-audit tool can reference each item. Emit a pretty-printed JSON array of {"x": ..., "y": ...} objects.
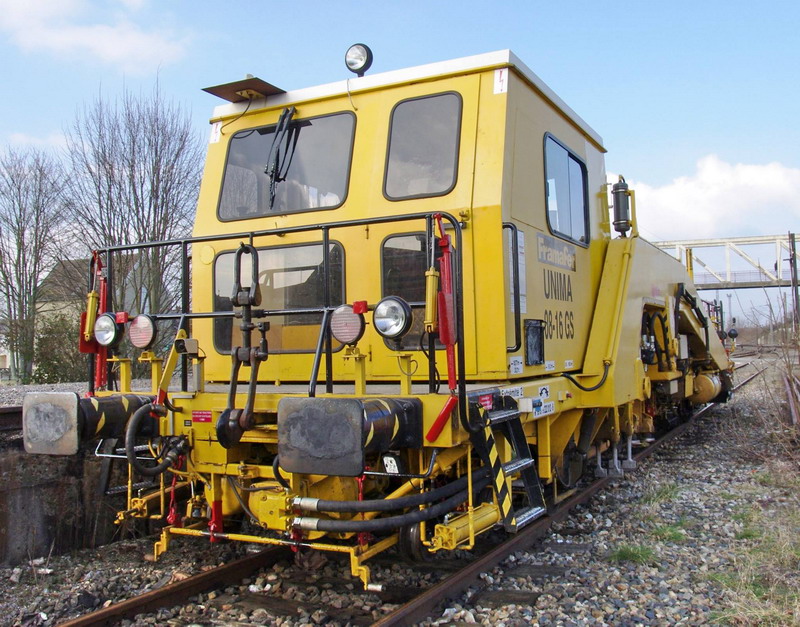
[{"x": 281, "y": 152}]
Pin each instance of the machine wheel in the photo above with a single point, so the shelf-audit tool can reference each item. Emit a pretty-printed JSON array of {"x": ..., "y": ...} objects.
[
  {"x": 409, "y": 544},
  {"x": 570, "y": 467}
]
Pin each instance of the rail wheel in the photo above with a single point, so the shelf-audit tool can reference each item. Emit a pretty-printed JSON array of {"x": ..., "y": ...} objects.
[
  {"x": 410, "y": 546},
  {"x": 569, "y": 468}
]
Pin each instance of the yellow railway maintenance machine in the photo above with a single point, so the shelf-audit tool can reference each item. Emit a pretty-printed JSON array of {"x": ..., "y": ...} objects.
[{"x": 411, "y": 318}]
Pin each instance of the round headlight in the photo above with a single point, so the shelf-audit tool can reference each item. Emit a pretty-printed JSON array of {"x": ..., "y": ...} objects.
[
  {"x": 142, "y": 332},
  {"x": 358, "y": 58},
  {"x": 106, "y": 330},
  {"x": 346, "y": 325},
  {"x": 392, "y": 317}
]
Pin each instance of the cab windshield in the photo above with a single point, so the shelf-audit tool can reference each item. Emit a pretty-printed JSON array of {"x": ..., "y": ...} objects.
[{"x": 312, "y": 172}]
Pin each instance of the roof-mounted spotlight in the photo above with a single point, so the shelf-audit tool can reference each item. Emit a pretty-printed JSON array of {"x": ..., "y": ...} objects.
[{"x": 358, "y": 58}]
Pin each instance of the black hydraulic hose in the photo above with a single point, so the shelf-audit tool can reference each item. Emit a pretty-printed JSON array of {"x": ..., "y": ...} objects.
[
  {"x": 276, "y": 470},
  {"x": 395, "y": 522},
  {"x": 130, "y": 446},
  {"x": 606, "y": 367},
  {"x": 387, "y": 505},
  {"x": 663, "y": 319}
]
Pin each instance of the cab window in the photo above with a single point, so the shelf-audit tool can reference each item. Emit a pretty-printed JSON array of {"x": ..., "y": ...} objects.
[
  {"x": 422, "y": 158},
  {"x": 404, "y": 261},
  {"x": 290, "y": 277},
  {"x": 567, "y": 203},
  {"x": 312, "y": 169}
]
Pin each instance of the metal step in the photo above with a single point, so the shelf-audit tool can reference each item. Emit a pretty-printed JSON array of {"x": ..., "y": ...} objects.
[
  {"x": 527, "y": 515},
  {"x": 518, "y": 464},
  {"x": 498, "y": 416}
]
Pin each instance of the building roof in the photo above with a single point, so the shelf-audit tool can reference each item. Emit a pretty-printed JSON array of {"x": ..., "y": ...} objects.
[{"x": 65, "y": 282}]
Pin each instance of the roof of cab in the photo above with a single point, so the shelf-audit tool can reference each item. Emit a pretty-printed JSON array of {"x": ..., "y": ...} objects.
[{"x": 464, "y": 65}]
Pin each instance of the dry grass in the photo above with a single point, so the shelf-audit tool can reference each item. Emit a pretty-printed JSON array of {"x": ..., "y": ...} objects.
[
  {"x": 766, "y": 580},
  {"x": 660, "y": 493}
]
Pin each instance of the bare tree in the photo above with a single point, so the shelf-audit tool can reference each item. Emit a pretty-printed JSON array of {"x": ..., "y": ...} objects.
[
  {"x": 30, "y": 218},
  {"x": 135, "y": 173}
]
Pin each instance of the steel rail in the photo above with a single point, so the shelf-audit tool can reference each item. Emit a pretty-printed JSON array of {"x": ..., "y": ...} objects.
[
  {"x": 11, "y": 418},
  {"x": 177, "y": 593},
  {"x": 793, "y": 397},
  {"x": 420, "y": 608}
]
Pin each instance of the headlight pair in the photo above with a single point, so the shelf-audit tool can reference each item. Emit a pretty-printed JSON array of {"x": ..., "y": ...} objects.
[
  {"x": 142, "y": 331},
  {"x": 391, "y": 317}
]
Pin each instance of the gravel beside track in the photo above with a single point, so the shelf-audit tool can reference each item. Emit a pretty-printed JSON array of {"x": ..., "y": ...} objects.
[
  {"x": 13, "y": 394},
  {"x": 680, "y": 505}
]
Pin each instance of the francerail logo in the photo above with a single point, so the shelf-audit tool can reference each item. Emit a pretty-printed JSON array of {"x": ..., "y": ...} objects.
[{"x": 555, "y": 252}]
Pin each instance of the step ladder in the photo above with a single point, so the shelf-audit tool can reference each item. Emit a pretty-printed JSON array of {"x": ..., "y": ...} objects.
[{"x": 506, "y": 420}]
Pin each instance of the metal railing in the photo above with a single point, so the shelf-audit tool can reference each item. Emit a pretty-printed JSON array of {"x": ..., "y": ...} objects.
[{"x": 324, "y": 343}]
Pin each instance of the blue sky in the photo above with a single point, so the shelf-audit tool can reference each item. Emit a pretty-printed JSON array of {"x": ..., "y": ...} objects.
[{"x": 696, "y": 101}]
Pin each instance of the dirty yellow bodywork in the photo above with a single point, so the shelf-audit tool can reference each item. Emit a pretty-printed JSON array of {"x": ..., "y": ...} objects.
[{"x": 586, "y": 338}]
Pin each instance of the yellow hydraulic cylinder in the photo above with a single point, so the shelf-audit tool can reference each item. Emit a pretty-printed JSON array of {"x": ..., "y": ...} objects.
[
  {"x": 457, "y": 530},
  {"x": 91, "y": 314},
  {"x": 431, "y": 295}
]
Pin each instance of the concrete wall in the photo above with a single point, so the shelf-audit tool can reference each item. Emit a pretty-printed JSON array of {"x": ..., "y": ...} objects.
[{"x": 48, "y": 501}]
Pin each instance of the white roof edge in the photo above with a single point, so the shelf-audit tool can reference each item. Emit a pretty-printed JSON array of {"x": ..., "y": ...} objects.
[{"x": 487, "y": 60}]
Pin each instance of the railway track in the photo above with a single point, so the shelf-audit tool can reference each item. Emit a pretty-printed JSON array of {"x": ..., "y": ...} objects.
[
  {"x": 11, "y": 418},
  {"x": 421, "y": 604},
  {"x": 415, "y": 604},
  {"x": 792, "y": 385},
  {"x": 425, "y": 604}
]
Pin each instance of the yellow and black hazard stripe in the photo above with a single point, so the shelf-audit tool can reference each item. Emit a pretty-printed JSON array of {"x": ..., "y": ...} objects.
[{"x": 501, "y": 488}]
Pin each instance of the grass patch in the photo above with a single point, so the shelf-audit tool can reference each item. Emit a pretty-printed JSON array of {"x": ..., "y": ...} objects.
[
  {"x": 778, "y": 475},
  {"x": 748, "y": 533},
  {"x": 766, "y": 581},
  {"x": 660, "y": 493},
  {"x": 635, "y": 553},
  {"x": 669, "y": 533},
  {"x": 724, "y": 579},
  {"x": 745, "y": 515}
]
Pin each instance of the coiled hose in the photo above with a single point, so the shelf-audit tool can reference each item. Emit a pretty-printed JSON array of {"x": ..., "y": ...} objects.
[{"x": 131, "y": 431}]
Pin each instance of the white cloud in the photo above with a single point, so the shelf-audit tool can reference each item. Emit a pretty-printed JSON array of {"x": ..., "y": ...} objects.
[
  {"x": 53, "y": 140},
  {"x": 133, "y": 5},
  {"x": 721, "y": 200},
  {"x": 72, "y": 28}
]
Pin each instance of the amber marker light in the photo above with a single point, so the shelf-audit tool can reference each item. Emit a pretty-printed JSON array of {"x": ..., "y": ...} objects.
[
  {"x": 143, "y": 331},
  {"x": 347, "y": 326}
]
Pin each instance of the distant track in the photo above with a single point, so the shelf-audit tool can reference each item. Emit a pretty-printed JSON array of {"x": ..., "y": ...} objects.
[
  {"x": 792, "y": 384},
  {"x": 11, "y": 418}
]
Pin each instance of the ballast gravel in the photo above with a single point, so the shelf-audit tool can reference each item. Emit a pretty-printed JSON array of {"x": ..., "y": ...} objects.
[{"x": 678, "y": 509}]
